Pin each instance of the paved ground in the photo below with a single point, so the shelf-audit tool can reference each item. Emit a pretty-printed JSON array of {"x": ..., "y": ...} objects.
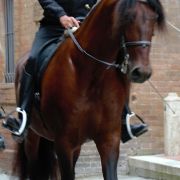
[
  {"x": 5, "y": 177},
  {"x": 119, "y": 177}
]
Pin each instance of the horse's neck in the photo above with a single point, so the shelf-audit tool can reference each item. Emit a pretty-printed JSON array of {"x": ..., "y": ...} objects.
[
  {"x": 96, "y": 37},
  {"x": 96, "y": 34}
]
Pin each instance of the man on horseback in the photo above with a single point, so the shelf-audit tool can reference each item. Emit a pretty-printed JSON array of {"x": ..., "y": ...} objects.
[{"x": 58, "y": 16}]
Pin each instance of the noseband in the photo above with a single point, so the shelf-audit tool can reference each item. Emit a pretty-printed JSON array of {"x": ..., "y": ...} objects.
[
  {"x": 125, "y": 45},
  {"x": 144, "y": 44}
]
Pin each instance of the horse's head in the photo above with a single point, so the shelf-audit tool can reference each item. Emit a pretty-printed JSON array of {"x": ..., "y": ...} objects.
[{"x": 137, "y": 21}]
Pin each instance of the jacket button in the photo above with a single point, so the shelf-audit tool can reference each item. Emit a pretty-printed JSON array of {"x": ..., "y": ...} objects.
[{"x": 87, "y": 6}]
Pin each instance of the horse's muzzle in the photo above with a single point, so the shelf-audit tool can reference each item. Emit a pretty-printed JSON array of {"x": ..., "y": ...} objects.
[{"x": 140, "y": 74}]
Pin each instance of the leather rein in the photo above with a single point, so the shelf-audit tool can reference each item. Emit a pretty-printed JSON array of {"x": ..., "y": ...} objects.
[{"x": 114, "y": 64}]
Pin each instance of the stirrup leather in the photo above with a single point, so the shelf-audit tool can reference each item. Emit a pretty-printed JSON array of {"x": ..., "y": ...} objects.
[{"x": 128, "y": 117}]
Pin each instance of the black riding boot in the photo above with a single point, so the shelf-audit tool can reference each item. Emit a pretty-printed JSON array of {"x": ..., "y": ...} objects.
[
  {"x": 18, "y": 126},
  {"x": 131, "y": 131}
]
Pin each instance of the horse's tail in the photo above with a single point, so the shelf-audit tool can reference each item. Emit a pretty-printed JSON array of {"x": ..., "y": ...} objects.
[{"x": 44, "y": 167}]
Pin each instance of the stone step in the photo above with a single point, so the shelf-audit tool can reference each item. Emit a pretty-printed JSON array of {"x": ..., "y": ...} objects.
[{"x": 157, "y": 167}]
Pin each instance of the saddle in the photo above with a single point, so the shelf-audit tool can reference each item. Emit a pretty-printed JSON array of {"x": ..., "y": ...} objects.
[{"x": 43, "y": 58}]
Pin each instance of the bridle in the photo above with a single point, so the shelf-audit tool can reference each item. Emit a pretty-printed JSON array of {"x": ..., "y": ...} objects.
[
  {"x": 124, "y": 65},
  {"x": 124, "y": 45}
]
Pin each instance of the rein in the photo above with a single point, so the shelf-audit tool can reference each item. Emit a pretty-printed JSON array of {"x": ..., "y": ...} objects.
[
  {"x": 89, "y": 55},
  {"x": 123, "y": 66}
]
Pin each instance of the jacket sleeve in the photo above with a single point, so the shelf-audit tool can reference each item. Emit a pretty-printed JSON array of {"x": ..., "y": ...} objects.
[{"x": 52, "y": 7}]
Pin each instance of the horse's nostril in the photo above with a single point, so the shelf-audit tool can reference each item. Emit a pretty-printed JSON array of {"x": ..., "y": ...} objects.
[
  {"x": 136, "y": 74},
  {"x": 139, "y": 75}
]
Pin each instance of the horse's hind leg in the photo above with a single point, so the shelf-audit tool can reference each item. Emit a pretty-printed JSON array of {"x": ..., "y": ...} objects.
[
  {"x": 44, "y": 165},
  {"x": 26, "y": 154},
  {"x": 20, "y": 163},
  {"x": 35, "y": 159},
  {"x": 32, "y": 150},
  {"x": 108, "y": 148}
]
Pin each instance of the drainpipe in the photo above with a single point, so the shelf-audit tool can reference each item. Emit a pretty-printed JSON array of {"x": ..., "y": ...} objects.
[{"x": 9, "y": 43}]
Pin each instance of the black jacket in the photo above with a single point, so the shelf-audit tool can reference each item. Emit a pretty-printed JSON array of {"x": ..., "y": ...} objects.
[{"x": 53, "y": 9}]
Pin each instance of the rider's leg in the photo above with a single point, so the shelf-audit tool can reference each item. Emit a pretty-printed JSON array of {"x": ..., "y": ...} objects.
[
  {"x": 44, "y": 34},
  {"x": 24, "y": 104},
  {"x": 136, "y": 129}
]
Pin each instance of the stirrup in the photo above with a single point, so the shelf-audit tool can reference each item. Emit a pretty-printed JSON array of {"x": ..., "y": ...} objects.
[
  {"x": 128, "y": 124},
  {"x": 23, "y": 123},
  {"x": 128, "y": 117}
]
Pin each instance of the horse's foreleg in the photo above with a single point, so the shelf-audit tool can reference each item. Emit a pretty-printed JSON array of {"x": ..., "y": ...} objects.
[
  {"x": 108, "y": 148},
  {"x": 64, "y": 153}
]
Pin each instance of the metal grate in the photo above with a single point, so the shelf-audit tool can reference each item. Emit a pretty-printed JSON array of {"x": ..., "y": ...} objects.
[{"x": 10, "y": 67}]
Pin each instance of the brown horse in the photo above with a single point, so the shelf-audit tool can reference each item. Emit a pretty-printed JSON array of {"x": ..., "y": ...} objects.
[{"x": 83, "y": 95}]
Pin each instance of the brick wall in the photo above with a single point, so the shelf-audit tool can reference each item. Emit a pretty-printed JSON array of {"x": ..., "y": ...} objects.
[
  {"x": 24, "y": 26},
  {"x": 165, "y": 57}
]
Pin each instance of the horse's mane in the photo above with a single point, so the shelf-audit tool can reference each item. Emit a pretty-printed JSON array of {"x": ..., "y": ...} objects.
[{"x": 126, "y": 14}]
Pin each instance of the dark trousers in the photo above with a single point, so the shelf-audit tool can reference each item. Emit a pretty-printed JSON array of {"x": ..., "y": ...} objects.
[{"x": 43, "y": 35}]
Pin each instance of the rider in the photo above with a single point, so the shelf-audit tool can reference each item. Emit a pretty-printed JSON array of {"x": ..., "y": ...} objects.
[{"x": 58, "y": 16}]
